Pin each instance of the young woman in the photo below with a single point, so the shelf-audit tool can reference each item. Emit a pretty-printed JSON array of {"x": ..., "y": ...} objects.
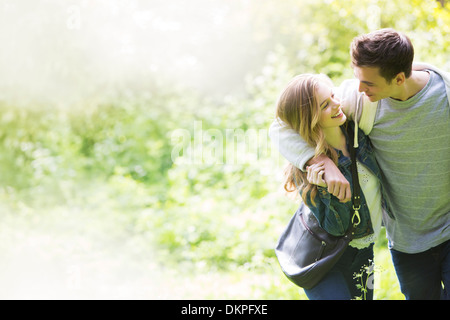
[{"x": 309, "y": 106}]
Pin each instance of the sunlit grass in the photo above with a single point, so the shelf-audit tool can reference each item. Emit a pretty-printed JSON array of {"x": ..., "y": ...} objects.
[{"x": 89, "y": 250}]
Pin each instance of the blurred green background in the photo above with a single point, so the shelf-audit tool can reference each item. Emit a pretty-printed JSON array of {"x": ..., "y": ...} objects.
[{"x": 134, "y": 153}]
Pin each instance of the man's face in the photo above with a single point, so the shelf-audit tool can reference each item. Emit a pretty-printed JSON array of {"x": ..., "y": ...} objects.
[{"x": 372, "y": 83}]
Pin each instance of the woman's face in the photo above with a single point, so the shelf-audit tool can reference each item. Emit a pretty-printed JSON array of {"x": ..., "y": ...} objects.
[{"x": 331, "y": 114}]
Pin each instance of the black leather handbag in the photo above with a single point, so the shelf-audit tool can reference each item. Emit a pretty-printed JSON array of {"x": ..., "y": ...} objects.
[{"x": 305, "y": 251}]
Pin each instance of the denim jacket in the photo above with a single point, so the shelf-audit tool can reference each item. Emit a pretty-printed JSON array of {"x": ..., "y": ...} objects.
[{"x": 334, "y": 216}]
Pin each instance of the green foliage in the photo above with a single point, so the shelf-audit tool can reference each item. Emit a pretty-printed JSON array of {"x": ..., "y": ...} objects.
[
  {"x": 220, "y": 210},
  {"x": 315, "y": 35}
]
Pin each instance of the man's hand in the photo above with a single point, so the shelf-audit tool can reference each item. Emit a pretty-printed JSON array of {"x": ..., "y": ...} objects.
[{"x": 337, "y": 183}]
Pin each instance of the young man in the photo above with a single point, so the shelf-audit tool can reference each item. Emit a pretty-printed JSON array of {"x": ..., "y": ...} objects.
[{"x": 406, "y": 114}]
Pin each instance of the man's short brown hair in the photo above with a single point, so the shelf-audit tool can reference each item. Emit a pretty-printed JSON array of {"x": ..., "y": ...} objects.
[{"x": 386, "y": 49}]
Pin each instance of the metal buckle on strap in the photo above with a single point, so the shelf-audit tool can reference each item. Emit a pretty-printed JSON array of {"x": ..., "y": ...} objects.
[{"x": 356, "y": 214}]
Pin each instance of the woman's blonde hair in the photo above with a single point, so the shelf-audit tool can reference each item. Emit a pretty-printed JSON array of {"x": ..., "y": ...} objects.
[{"x": 298, "y": 107}]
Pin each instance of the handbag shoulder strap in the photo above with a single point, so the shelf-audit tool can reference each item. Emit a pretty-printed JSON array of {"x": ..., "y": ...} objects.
[{"x": 356, "y": 194}]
